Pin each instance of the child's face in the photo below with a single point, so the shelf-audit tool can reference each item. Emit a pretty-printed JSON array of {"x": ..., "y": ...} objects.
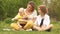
[
  {"x": 21, "y": 10},
  {"x": 21, "y": 13},
  {"x": 40, "y": 12}
]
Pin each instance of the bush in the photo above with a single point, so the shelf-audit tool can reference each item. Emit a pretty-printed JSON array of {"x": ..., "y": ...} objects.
[
  {"x": 9, "y": 8},
  {"x": 54, "y": 9},
  {"x": 8, "y": 20}
]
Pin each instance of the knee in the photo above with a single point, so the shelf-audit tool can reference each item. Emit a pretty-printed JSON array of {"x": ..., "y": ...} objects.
[
  {"x": 12, "y": 24},
  {"x": 15, "y": 26},
  {"x": 30, "y": 22},
  {"x": 51, "y": 25}
]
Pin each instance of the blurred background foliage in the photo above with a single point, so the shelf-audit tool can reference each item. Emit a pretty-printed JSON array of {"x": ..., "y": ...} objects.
[{"x": 9, "y": 8}]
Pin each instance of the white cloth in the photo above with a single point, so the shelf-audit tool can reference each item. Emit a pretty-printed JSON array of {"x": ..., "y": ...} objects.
[
  {"x": 46, "y": 20},
  {"x": 34, "y": 14}
]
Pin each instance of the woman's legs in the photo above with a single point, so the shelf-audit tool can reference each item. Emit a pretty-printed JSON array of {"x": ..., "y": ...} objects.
[
  {"x": 15, "y": 26},
  {"x": 28, "y": 25}
]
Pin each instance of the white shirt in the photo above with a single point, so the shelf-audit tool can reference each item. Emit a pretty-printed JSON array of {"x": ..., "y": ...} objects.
[
  {"x": 34, "y": 14},
  {"x": 46, "y": 20}
]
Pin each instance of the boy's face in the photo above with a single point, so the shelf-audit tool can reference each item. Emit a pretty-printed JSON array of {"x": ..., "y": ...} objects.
[{"x": 40, "y": 12}]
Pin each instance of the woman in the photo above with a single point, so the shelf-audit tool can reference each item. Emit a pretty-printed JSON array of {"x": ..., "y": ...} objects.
[
  {"x": 31, "y": 16},
  {"x": 42, "y": 22}
]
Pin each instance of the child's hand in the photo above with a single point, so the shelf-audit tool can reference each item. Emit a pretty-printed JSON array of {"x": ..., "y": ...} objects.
[
  {"x": 25, "y": 17},
  {"x": 13, "y": 19}
]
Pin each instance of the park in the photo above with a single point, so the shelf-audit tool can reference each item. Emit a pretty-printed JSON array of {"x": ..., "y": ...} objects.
[{"x": 9, "y": 9}]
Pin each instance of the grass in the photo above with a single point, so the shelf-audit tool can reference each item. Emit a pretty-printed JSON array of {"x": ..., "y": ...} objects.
[{"x": 55, "y": 30}]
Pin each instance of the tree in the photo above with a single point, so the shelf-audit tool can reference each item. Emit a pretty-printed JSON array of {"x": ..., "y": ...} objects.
[{"x": 54, "y": 9}]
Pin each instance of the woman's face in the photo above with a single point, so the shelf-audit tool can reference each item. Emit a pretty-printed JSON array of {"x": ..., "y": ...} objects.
[{"x": 29, "y": 7}]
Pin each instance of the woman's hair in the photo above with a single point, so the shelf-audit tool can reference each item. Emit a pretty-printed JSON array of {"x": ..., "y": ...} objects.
[
  {"x": 32, "y": 4},
  {"x": 43, "y": 9}
]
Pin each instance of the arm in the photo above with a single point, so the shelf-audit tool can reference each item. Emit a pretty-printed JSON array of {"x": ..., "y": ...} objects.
[
  {"x": 46, "y": 21},
  {"x": 36, "y": 22},
  {"x": 15, "y": 18},
  {"x": 34, "y": 16}
]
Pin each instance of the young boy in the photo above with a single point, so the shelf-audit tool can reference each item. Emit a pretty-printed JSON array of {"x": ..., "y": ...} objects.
[{"x": 43, "y": 20}]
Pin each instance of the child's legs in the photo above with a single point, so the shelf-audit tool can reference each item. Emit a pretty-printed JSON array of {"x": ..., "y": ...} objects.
[
  {"x": 42, "y": 28},
  {"x": 15, "y": 26},
  {"x": 28, "y": 25},
  {"x": 49, "y": 27},
  {"x": 36, "y": 28}
]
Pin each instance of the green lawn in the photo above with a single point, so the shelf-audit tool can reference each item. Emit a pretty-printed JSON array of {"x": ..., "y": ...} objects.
[{"x": 3, "y": 25}]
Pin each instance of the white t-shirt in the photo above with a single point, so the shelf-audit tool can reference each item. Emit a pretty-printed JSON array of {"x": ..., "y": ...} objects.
[
  {"x": 46, "y": 20},
  {"x": 34, "y": 14}
]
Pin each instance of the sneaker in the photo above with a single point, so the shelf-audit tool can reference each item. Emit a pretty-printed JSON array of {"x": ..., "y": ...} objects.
[{"x": 29, "y": 30}]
